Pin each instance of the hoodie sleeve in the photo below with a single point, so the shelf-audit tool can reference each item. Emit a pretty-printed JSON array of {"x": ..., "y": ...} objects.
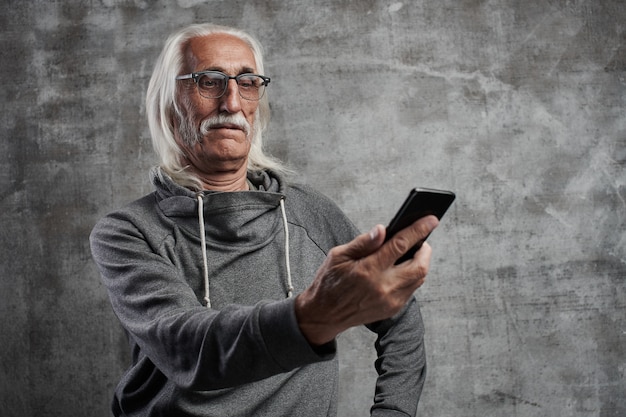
[
  {"x": 401, "y": 360},
  {"x": 401, "y": 363},
  {"x": 193, "y": 346}
]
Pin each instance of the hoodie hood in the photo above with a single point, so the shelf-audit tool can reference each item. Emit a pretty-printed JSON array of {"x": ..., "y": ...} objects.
[
  {"x": 237, "y": 216},
  {"x": 175, "y": 198}
]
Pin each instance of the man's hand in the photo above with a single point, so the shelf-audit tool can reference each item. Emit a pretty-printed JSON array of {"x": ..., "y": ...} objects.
[{"x": 358, "y": 282}]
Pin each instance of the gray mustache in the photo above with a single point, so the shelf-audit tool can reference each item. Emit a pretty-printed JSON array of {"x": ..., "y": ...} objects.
[{"x": 232, "y": 119}]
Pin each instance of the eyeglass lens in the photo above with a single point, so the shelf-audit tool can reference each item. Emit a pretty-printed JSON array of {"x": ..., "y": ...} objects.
[{"x": 213, "y": 85}]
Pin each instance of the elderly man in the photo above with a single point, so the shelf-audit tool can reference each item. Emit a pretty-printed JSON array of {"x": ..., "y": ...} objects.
[{"x": 233, "y": 283}]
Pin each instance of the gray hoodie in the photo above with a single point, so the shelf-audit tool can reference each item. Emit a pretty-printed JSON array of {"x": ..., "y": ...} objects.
[{"x": 244, "y": 355}]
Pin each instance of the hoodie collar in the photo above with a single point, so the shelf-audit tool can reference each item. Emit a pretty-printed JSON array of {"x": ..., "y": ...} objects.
[{"x": 176, "y": 200}]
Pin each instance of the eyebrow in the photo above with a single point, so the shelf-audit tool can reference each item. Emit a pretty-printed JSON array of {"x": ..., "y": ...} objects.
[{"x": 244, "y": 70}]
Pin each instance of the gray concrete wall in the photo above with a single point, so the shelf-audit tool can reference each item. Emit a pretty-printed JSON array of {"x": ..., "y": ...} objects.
[{"x": 518, "y": 106}]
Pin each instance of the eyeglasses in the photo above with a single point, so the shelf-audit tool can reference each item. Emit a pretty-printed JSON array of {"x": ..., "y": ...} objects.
[{"x": 212, "y": 84}]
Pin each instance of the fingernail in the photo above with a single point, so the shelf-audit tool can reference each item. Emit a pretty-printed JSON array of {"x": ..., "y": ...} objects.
[{"x": 374, "y": 233}]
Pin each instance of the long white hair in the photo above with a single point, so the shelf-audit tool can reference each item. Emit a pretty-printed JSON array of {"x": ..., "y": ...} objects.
[{"x": 162, "y": 106}]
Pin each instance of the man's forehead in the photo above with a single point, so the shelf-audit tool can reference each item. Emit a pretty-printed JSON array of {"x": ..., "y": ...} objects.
[{"x": 221, "y": 52}]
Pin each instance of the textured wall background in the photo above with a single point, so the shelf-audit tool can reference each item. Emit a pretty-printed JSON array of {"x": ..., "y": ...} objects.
[{"x": 517, "y": 106}]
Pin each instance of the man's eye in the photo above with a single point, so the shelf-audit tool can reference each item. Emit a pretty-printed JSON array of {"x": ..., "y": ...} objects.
[
  {"x": 250, "y": 82},
  {"x": 207, "y": 82}
]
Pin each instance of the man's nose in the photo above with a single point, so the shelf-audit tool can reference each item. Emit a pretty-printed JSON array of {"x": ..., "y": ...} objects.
[{"x": 231, "y": 100}]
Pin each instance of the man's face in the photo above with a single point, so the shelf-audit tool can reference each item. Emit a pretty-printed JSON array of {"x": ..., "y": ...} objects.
[{"x": 222, "y": 146}]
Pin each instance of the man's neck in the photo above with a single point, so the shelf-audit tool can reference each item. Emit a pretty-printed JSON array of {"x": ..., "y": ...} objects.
[
  {"x": 225, "y": 182},
  {"x": 222, "y": 175}
]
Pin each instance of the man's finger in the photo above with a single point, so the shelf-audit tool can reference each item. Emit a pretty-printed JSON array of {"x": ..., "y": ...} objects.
[{"x": 405, "y": 239}]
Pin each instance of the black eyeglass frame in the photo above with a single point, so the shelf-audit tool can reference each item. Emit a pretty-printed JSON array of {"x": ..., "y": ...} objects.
[{"x": 195, "y": 76}]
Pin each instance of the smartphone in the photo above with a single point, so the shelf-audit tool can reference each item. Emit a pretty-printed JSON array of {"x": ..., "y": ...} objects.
[{"x": 420, "y": 202}]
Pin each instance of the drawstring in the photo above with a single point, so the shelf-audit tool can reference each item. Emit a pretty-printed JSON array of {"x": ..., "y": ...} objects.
[
  {"x": 289, "y": 284},
  {"x": 205, "y": 266}
]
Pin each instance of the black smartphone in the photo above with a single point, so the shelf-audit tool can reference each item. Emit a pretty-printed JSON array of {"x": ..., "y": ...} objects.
[{"x": 420, "y": 202}]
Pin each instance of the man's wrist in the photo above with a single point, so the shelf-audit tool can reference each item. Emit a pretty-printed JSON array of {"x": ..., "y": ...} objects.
[{"x": 317, "y": 332}]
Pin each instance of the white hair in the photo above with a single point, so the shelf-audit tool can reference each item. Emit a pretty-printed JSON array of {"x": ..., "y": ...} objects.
[{"x": 162, "y": 105}]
